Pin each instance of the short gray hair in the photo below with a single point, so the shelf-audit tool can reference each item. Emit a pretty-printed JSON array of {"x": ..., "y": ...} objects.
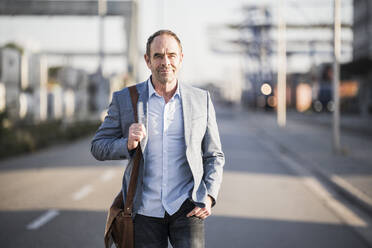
[{"x": 158, "y": 33}]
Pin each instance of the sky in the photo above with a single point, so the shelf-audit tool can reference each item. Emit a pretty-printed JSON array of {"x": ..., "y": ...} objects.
[{"x": 199, "y": 24}]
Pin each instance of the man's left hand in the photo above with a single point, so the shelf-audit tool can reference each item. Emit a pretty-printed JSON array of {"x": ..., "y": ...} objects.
[{"x": 202, "y": 213}]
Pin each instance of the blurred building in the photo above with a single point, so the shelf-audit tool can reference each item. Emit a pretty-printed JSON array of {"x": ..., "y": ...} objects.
[
  {"x": 34, "y": 85},
  {"x": 31, "y": 92},
  {"x": 360, "y": 67},
  {"x": 99, "y": 95},
  {"x": 23, "y": 80},
  {"x": 10, "y": 80},
  {"x": 74, "y": 83}
]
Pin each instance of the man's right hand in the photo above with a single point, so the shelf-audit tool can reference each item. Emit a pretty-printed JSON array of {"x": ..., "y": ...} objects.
[{"x": 137, "y": 132}]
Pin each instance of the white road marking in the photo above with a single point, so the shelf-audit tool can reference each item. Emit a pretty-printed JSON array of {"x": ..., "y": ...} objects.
[
  {"x": 107, "y": 175},
  {"x": 83, "y": 192},
  {"x": 43, "y": 219}
]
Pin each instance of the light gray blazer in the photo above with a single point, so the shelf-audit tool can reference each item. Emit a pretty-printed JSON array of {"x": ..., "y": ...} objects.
[{"x": 203, "y": 146}]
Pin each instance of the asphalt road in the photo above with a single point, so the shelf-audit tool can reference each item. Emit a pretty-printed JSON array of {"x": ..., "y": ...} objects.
[{"x": 59, "y": 198}]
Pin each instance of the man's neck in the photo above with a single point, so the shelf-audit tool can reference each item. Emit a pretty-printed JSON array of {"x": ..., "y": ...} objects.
[{"x": 166, "y": 90}]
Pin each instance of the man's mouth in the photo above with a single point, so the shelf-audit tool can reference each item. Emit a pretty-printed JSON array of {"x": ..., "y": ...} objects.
[{"x": 165, "y": 71}]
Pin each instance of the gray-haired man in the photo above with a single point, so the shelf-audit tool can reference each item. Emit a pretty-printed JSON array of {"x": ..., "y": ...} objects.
[{"x": 181, "y": 171}]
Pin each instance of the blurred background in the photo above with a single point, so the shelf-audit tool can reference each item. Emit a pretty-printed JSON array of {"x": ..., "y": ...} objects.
[
  {"x": 61, "y": 60},
  {"x": 289, "y": 78}
]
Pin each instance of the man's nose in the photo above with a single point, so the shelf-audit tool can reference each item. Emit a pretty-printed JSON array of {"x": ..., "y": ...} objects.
[{"x": 165, "y": 60}]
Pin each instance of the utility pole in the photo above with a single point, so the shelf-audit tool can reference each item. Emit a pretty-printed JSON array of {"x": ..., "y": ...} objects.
[
  {"x": 282, "y": 66},
  {"x": 132, "y": 39},
  {"x": 102, "y": 9},
  {"x": 336, "y": 76}
]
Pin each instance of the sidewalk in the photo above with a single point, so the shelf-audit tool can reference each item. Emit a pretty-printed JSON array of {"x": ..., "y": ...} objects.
[{"x": 309, "y": 140}]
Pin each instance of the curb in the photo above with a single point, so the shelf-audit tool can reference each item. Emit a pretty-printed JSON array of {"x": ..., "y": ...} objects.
[
  {"x": 345, "y": 189},
  {"x": 341, "y": 186},
  {"x": 317, "y": 176}
]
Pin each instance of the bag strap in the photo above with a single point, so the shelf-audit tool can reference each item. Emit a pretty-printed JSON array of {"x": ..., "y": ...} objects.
[
  {"x": 134, "y": 97},
  {"x": 128, "y": 207}
]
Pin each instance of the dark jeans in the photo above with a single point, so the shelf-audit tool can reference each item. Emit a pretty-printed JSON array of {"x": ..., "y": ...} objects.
[{"x": 183, "y": 232}]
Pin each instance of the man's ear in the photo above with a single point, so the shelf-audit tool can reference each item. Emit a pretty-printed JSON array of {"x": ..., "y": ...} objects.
[
  {"x": 147, "y": 59},
  {"x": 181, "y": 56}
]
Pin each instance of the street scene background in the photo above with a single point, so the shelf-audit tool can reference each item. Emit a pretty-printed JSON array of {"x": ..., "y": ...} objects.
[{"x": 298, "y": 169}]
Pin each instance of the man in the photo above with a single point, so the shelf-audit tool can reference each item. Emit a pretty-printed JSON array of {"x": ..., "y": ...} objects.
[{"x": 181, "y": 171}]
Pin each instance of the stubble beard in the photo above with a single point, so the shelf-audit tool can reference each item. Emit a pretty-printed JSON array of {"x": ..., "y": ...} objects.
[{"x": 169, "y": 78}]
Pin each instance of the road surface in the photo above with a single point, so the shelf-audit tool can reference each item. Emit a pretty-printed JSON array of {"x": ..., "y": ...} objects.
[{"x": 58, "y": 197}]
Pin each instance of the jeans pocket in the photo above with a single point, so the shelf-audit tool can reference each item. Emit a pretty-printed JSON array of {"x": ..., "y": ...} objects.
[{"x": 196, "y": 220}]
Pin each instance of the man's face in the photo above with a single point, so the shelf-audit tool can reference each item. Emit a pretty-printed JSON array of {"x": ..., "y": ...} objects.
[{"x": 165, "y": 59}]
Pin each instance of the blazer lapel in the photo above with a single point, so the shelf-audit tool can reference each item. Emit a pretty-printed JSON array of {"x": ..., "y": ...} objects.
[
  {"x": 187, "y": 112},
  {"x": 142, "y": 106}
]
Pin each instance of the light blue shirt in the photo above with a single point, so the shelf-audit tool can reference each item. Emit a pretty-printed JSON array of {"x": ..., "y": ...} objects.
[{"x": 168, "y": 180}]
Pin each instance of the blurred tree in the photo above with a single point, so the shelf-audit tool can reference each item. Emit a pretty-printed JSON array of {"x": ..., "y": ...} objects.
[{"x": 14, "y": 46}]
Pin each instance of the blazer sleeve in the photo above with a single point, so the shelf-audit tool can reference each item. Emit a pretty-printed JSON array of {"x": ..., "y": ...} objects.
[
  {"x": 109, "y": 142},
  {"x": 213, "y": 157}
]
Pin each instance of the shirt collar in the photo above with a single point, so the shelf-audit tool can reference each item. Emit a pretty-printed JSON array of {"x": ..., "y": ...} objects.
[{"x": 152, "y": 90}]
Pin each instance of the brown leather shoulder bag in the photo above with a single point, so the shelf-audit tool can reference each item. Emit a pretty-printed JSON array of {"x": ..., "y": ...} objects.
[{"x": 119, "y": 224}]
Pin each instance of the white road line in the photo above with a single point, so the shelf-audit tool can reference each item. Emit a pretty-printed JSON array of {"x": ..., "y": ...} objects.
[
  {"x": 83, "y": 192},
  {"x": 43, "y": 219},
  {"x": 107, "y": 175}
]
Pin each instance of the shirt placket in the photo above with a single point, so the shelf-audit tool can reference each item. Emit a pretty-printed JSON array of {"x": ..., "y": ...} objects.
[{"x": 165, "y": 151}]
